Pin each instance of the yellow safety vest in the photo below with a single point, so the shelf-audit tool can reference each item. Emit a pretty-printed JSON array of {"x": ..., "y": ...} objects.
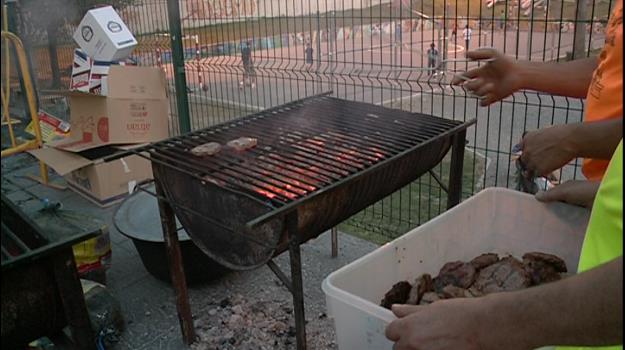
[{"x": 604, "y": 236}]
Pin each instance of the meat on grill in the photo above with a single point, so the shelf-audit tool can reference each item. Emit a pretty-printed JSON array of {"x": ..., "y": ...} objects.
[
  {"x": 207, "y": 149},
  {"x": 483, "y": 275},
  {"x": 242, "y": 143}
]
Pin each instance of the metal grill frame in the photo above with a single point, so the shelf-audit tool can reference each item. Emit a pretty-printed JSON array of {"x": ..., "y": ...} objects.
[{"x": 295, "y": 283}]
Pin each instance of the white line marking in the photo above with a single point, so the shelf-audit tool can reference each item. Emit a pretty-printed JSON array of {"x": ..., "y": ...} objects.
[{"x": 229, "y": 102}]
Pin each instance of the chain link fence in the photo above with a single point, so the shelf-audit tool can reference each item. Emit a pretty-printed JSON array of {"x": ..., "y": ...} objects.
[{"x": 374, "y": 51}]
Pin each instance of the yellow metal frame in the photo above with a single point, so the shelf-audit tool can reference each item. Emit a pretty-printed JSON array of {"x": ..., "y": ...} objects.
[{"x": 8, "y": 37}]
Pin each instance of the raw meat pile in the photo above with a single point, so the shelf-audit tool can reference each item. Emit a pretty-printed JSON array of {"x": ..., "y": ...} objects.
[{"x": 483, "y": 275}]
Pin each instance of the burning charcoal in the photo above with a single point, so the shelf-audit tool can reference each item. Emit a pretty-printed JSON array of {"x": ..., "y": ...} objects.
[
  {"x": 422, "y": 285},
  {"x": 242, "y": 143},
  {"x": 429, "y": 298},
  {"x": 507, "y": 274},
  {"x": 543, "y": 268},
  {"x": 451, "y": 291},
  {"x": 397, "y": 295},
  {"x": 207, "y": 149},
  {"x": 484, "y": 260},
  {"x": 456, "y": 273}
]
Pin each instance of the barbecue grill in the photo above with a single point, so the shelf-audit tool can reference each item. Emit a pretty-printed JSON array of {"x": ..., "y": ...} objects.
[
  {"x": 41, "y": 292},
  {"x": 318, "y": 161}
]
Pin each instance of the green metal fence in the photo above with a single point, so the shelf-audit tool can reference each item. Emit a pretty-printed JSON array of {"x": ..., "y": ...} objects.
[{"x": 366, "y": 50}]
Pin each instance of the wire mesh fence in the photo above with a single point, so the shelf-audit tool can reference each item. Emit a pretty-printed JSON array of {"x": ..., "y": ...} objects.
[{"x": 244, "y": 56}]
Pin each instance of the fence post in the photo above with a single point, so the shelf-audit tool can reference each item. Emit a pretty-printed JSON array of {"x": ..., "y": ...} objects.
[{"x": 177, "y": 54}]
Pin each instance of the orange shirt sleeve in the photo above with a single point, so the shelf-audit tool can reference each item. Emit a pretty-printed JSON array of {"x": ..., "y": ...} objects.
[{"x": 605, "y": 94}]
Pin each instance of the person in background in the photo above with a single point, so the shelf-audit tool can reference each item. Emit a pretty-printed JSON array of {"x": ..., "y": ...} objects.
[
  {"x": 467, "y": 36},
  {"x": 432, "y": 59},
  {"x": 248, "y": 66},
  {"x": 454, "y": 32},
  {"x": 308, "y": 52}
]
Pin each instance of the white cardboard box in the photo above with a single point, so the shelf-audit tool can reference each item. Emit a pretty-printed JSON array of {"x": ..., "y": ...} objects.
[
  {"x": 103, "y": 35},
  {"x": 81, "y": 69},
  {"x": 89, "y": 75},
  {"x": 495, "y": 220}
]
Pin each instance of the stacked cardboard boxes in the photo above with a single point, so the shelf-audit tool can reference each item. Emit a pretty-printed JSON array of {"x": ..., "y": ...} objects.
[{"x": 112, "y": 107}]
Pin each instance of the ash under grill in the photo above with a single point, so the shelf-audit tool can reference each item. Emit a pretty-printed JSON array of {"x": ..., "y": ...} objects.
[{"x": 317, "y": 162}]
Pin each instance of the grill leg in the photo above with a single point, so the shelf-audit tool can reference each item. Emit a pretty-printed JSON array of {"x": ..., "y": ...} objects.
[
  {"x": 455, "y": 172},
  {"x": 73, "y": 300},
  {"x": 168, "y": 221},
  {"x": 296, "y": 282}
]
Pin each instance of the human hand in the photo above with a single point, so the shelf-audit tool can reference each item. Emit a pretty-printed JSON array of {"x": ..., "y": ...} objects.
[
  {"x": 494, "y": 81},
  {"x": 461, "y": 323},
  {"x": 577, "y": 192},
  {"x": 548, "y": 149}
]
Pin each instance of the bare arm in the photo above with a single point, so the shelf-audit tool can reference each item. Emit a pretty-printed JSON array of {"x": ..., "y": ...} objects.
[
  {"x": 551, "y": 148},
  {"x": 503, "y": 75},
  {"x": 597, "y": 140},
  {"x": 570, "y": 78},
  {"x": 585, "y": 309}
]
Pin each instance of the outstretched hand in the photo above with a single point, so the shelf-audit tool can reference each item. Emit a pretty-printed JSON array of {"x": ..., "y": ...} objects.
[{"x": 494, "y": 81}]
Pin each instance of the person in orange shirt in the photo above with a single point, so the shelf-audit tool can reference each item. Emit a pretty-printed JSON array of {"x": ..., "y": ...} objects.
[{"x": 598, "y": 79}]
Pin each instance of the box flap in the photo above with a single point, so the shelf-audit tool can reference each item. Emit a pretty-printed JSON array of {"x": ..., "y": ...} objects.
[
  {"x": 132, "y": 82},
  {"x": 62, "y": 162},
  {"x": 73, "y": 93}
]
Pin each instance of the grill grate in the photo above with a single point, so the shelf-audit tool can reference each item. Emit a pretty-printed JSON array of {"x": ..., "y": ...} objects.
[{"x": 303, "y": 147}]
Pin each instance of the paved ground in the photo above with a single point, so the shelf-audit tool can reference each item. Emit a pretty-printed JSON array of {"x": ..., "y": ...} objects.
[{"x": 148, "y": 304}]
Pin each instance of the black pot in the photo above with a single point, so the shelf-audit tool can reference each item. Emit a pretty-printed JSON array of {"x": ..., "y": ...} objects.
[{"x": 138, "y": 219}]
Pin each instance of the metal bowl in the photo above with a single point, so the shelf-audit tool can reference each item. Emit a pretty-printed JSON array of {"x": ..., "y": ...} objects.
[{"x": 138, "y": 219}]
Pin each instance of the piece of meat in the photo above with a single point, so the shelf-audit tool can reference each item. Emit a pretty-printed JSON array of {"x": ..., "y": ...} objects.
[
  {"x": 507, "y": 274},
  {"x": 429, "y": 298},
  {"x": 473, "y": 292},
  {"x": 451, "y": 291},
  {"x": 543, "y": 268},
  {"x": 397, "y": 295},
  {"x": 484, "y": 260},
  {"x": 242, "y": 143},
  {"x": 422, "y": 285},
  {"x": 207, "y": 149},
  {"x": 457, "y": 273}
]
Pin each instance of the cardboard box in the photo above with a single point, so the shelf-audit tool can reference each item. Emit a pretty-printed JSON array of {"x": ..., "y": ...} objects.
[
  {"x": 52, "y": 128},
  {"x": 103, "y": 183},
  {"x": 89, "y": 75},
  {"x": 135, "y": 110},
  {"x": 104, "y": 36},
  {"x": 81, "y": 69}
]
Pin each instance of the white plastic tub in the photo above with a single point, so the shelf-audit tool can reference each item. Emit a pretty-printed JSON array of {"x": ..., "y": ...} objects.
[{"x": 495, "y": 220}]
